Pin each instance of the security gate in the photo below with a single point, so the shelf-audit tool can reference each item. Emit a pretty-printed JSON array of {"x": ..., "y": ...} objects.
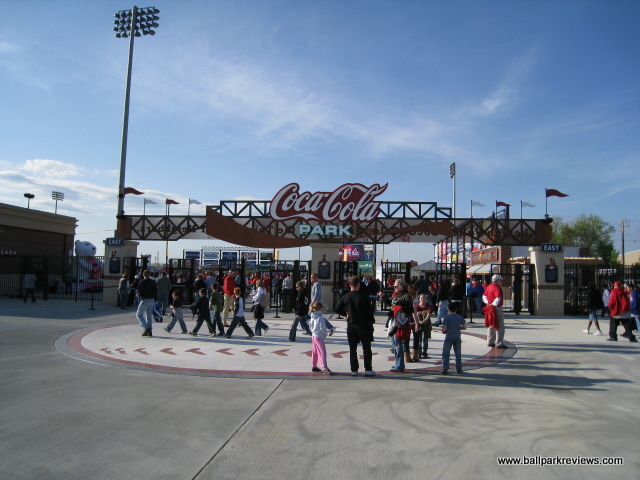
[
  {"x": 518, "y": 286},
  {"x": 577, "y": 278},
  {"x": 64, "y": 278}
]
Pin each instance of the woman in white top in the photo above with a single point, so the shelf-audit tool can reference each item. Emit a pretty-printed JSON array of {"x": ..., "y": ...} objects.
[{"x": 260, "y": 299}]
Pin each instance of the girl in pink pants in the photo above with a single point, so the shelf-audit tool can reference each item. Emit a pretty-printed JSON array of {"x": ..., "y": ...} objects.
[{"x": 318, "y": 327}]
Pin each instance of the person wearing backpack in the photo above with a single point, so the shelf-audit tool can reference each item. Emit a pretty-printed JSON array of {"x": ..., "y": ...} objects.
[{"x": 260, "y": 302}]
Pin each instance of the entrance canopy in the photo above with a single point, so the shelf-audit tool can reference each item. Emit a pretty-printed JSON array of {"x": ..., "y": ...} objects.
[{"x": 348, "y": 214}]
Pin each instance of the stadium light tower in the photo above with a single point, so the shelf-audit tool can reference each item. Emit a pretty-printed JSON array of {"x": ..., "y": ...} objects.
[
  {"x": 129, "y": 24},
  {"x": 57, "y": 196}
]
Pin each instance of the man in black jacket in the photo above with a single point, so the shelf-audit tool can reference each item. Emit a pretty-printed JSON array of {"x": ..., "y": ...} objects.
[
  {"x": 302, "y": 312},
  {"x": 359, "y": 313},
  {"x": 148, "y": 294}
]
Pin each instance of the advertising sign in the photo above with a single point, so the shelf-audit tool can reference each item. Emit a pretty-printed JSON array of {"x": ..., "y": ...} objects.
[
  {"x": 191, "y": 254},
  {"x": 211, "y": 255},
  {"x": 348, "y": 253},
  {"x": 351, "y": 202},
  {"x": 230, "y": 255}
]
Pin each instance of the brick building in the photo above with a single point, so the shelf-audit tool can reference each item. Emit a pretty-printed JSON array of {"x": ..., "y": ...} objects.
[{"x": 25, "y": 231}]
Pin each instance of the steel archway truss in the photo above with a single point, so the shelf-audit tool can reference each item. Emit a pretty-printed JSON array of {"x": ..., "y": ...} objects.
[{"x": 248, "y": 223}]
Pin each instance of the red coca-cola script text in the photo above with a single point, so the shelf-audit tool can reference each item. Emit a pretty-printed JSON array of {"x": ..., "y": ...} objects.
[{"x": 351, "y": 202}]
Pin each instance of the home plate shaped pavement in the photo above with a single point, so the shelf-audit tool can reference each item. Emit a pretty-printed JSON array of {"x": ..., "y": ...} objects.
[{"x": 268, "y": 356}]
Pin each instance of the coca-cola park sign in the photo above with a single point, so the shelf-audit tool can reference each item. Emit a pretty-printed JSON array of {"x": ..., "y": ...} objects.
[{"x": 351, "y": 202}]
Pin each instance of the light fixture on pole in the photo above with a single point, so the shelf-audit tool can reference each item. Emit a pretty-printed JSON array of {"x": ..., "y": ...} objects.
[
  {"x": 29, "y": 196},
  {"x": 128, "y": 24},
  {"x": 452, "y": 174},
  {"x": 57, "y": 196}
]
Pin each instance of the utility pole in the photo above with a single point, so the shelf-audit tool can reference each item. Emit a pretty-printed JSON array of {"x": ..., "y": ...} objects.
[{"x": 623, "y": 225}]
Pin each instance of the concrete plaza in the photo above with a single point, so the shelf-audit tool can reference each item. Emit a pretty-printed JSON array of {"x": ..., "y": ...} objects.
[{"x": 79, "y": 403}]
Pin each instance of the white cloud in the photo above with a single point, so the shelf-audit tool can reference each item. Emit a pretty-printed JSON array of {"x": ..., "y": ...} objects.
[
  {"x": 506, "y": 96},
  {"x": 51, "y": 169}
]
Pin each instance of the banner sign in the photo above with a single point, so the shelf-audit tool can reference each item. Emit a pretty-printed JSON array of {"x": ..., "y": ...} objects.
[
  {"x": 348, "y": 253},
  {"x": 351, "y": 202}
]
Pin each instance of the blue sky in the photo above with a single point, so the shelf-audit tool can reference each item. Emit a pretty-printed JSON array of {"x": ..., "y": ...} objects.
[{"x": 235, "y": 99}]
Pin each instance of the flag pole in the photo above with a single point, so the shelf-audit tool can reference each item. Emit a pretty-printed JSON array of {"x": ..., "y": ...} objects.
[
  {"x": 520, "y": 209},
  {"x": 471, "y": 208},
  {"x": 546, "y": 203},
  {"x": 189, "y": 208}
]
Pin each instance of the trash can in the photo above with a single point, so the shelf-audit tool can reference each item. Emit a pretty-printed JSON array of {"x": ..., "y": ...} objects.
[{"x": 287, "y": 301}]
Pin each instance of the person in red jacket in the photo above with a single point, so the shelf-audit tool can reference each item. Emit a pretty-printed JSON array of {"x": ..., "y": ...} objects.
[
  {"x": 620, "y": 313},
  {"x": 228, "y": 288},
  {"x": 493, "y": 295}
]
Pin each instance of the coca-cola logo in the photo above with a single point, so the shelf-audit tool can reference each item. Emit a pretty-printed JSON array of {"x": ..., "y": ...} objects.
[{"x": 351, "y": 202}]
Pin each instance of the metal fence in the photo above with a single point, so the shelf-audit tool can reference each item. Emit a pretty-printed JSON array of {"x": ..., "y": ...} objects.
[
  {"x": 66, "y": 278},
  {"x": 577, "y": 279}
]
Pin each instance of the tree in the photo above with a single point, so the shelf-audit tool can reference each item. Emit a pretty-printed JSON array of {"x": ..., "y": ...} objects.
[{"x": 588, "y": 231}]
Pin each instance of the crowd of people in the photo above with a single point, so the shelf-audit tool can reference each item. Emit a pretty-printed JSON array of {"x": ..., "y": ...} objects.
[
  {"x": 411, "y": 308},
  {"x": 620, "y": 304}
]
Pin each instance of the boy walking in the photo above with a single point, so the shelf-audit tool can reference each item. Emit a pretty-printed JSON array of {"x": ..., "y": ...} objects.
[
  {"x": 217, "y": 304},
  {"x": 201, "y": 307},
  {"x": 451, "y": 327},
  {"x": 176, "y": 313}
]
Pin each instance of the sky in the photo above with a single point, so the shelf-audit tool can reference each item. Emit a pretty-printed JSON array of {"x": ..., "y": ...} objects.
[{"x": 233, "y": 99}]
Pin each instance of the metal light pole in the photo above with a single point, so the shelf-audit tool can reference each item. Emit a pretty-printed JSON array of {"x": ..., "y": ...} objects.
[
  {"x": 452, "y": 174},
  {"x": 29, "y": 196},
  {"x": 57, "y": 196},
  {"x": 128, "y": 24}
]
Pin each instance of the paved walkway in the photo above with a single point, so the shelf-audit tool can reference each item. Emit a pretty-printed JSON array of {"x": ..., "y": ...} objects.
[{"x": 83, "y": 396}]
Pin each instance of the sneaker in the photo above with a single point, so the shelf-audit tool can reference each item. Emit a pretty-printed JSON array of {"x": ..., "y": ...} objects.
[
  {"x": 354, "y": 374},
  {"x": 228, "y": 336},
  {"x": 266, "y": 329},
  {"x": 393, "y": 369},
  {"x": 598, "y": 333},
  {"x": 331, "y": 331},
  {"x": 251, "y": 335},
  {"x": 184, "y": 332},
  {"x": 445, "y": 371},
  {"x": 166, "y": 330},
  {"x": 315, "y": 369},
  {"x": 326, "y": 371},
  {"x": 193, "y": 334},
  {"x": 586, "y": 330},
  {"x": 212, "y": 335},
  {"x": 459, "y": 371},
  {"x": 369, "y": 373},
  {"x": 502, "y": 346},
  {"x": 612, "y": 339},
  {"x": 492, "y": 346}
]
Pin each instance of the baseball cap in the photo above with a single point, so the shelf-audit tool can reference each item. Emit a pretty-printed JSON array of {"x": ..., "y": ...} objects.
[
  {"x": 496, "y": 277},
  {"x": 617, "y": 284}
]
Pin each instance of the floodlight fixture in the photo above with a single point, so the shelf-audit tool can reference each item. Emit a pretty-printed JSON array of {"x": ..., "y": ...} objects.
[
  {"x": 29, "y": 196},
  {"x": 57, "y": 196}
]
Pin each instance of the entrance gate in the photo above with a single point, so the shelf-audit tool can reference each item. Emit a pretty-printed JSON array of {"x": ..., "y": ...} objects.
[
  {"x": 518, "y": 286},
  {"x": 577, "y": 279},
  {"x": 285, "y": 300},
  {"x": 63, "y": 278},
  {"x": 390, "y": 272}
]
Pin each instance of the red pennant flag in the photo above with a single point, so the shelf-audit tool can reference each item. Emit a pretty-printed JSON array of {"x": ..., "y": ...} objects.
[
  {"x": 168, "y": 201},
  {"x": 132, "y": 190},
  {"x": 551, "y": 192},
  {"x": 502, "y": 204}
]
